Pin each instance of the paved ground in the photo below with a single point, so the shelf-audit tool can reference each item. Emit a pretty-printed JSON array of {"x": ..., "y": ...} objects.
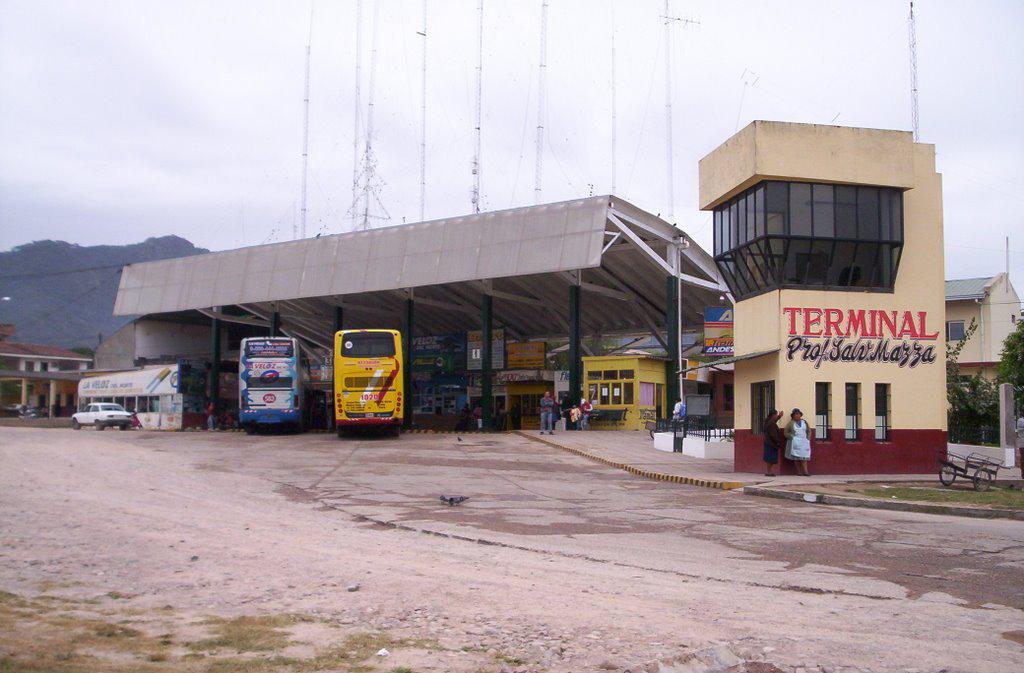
[{"x": 582, "y": 565}]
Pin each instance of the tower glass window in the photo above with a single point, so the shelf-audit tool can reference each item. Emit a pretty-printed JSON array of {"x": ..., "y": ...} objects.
[{"x": 800, "y": 234}]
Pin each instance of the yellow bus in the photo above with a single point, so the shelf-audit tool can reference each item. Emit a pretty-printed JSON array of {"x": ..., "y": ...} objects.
[{"x": 368, "y": 388}]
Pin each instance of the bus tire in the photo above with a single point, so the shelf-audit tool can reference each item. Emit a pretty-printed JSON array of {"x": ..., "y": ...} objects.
[{"x": 250, "y": 429}]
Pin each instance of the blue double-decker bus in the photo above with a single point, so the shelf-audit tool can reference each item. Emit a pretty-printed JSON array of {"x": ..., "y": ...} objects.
[{"x": 269, "y": 385}]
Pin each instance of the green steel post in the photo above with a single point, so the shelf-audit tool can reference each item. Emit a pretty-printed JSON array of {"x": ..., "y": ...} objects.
[
  {"x": 575, "y": 361},
  {"x": 215, "y": 362},
  {"x": 339, "y": 319},
  {"x": 672, "y": 368},
  {"x": 275, "y": 324},
  {"x": 486, "y": 395},
  {"x": 407, "y": 364}
]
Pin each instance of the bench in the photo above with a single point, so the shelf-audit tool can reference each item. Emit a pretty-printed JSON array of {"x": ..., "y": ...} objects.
[{"x": 608, "y": 416}]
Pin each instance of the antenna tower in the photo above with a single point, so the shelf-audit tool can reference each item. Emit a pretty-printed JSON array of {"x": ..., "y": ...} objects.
[
  {"x": 913, "y": 74},
  {"x": 370, "y": 184},
  {"x": 669, "y": 20},
  {"x": 423, "y": 120},
  {"x": 305, "y": 133},
  {"x": 614, "y": 105},
  {"x": 357, "y": 111},
  {"x": 475, "y": 192},
  {"x": 541, "y": 101}
]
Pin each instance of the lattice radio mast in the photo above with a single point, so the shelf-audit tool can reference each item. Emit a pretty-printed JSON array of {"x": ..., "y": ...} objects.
[
  {"x": 615, "y": 121},
  {"x": 423, "y": 121},
  {"x": 913, "y": 74},
  {"x": 357, "y": 111},
  {"x": 669, "y": 20},
  {"x": 475, "y": 194},
  {"x": 305, "y": 132},
  {"x": 370, "y": 182},
  {"x": 541, "y": 101}
]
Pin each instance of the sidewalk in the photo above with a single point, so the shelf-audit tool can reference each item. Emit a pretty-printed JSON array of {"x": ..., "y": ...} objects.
[{"x": 634, "y": 452}]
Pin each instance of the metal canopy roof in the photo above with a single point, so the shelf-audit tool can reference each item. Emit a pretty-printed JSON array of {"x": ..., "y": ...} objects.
[
  {"x": 968, "y": 288},
  {"x": 525, "y": 258}
]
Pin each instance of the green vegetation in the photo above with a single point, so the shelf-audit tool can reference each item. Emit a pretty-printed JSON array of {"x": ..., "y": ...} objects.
[
  {"x": 1011, "y": 359},
  {"x": 1002, "y": 498}
]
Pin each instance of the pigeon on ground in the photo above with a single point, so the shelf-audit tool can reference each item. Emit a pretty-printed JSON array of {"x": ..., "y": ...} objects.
[{"x": 454, "y": 500}]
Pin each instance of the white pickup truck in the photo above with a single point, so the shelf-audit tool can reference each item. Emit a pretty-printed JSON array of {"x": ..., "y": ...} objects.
[{"x": 102, "y": 416}]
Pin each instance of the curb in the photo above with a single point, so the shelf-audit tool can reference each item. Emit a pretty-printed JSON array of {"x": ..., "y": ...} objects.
[
  {"x": 874, "y": 503},
  {"x": 646, "y": 474}
]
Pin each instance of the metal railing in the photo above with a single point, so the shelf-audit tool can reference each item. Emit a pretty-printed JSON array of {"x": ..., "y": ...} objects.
[
  {"x": 985, "y": 432},
  {"x": 707, "y": 428}
]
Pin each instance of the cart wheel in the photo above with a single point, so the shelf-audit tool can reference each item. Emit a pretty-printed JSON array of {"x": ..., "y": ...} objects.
[
  {"x": 947, "y": 475},
  {"x": 982, "y": 480}
]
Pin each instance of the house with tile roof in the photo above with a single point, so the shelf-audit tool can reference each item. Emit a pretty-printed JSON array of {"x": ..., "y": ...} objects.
[{"x": 995, "y": 306}]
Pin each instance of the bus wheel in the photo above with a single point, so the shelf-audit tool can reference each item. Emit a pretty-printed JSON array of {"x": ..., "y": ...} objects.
[
  {"x": 342, "y": 433},
  {"x": 250, "y": 428}
]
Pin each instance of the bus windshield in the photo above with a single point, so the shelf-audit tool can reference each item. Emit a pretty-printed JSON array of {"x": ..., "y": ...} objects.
[{"x": 368, "y": 345}]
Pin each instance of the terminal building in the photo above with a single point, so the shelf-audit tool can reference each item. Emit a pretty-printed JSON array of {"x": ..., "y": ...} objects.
[
  {"x": 828, "y": 254},
  {"x": 830, "y": 239}
]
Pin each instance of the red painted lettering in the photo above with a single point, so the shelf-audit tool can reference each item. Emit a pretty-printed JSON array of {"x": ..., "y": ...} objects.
[
  {"x": 907, "y": 326},
  {"x": 834, "y": 322},
  {"x": 856, "y": 324},
  {"x": 791, "y": 312},
  {"x": 887, "y": 321},
  {"x": 811, "y": 323},
  {"x": 922, "y": 330}
]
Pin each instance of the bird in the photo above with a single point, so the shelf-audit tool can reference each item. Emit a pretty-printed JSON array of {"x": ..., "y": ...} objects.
[{"x": 454, "y": 500}]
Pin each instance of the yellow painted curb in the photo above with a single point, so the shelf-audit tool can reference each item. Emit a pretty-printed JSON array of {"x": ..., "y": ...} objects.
[{"x": 647, "y": 474}]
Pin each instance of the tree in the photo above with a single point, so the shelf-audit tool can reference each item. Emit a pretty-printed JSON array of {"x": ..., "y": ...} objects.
[
  {"x": 1011, "y": 360},
  {"x": 972, "y": 399}
]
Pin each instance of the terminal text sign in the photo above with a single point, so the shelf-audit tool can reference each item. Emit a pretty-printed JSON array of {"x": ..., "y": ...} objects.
[{"x": 859, "y": 335}]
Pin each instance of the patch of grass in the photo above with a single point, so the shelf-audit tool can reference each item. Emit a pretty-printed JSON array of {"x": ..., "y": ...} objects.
[
  {"x": 997, "y": 497},
  {"x": 508, "y": 659},
  {"x": 402, "y": 669},
  {"x": 262, "y": 633}
]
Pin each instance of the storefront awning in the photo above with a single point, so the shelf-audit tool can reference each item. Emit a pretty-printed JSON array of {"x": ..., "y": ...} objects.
[{"x": 725, "y": 361}]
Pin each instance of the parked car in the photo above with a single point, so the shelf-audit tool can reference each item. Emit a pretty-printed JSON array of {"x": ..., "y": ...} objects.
[{"x": 102, "y": 415}]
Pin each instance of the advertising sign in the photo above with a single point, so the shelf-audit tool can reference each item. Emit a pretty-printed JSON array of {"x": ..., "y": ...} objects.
[
  {"x": 527, "y": 354},
  {"x": 475, "y": 345},
  {"x": 820, "y": 335},
  {"x": 718, "y": 331},
  {"x": 444, "y": 354},
  {"x": 153, "y": 381}
]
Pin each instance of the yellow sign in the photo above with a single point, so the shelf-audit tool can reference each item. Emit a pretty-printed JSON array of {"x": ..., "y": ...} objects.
[{"x": 526, "y": 354}]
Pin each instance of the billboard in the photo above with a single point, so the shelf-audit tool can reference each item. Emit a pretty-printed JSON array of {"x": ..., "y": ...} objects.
[
  {"x": 444, "y": 354},
  {"x": 475, "y": 347},
  {"x": 526, "y": 354},
  {"x": 718, "y": 331}
]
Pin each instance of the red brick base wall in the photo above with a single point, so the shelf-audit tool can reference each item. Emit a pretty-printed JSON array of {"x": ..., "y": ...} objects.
[{"x": 906, "y": 452}]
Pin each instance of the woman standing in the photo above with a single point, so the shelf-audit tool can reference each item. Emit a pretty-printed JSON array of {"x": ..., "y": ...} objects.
[
  {"x": 774, "y": 441},
  {"x": 798, "y": 446}
]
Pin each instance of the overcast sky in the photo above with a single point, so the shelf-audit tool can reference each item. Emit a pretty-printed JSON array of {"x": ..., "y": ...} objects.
[{"x": 123, "y": 120}]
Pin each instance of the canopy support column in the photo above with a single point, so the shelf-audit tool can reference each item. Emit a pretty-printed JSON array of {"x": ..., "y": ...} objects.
[
  {"x": 407, "y": 396},
  {"x": 672, "y": 392},
  {"x": 215, "y": 363},
  {"x": 486, "y": 372},
  {"x": 339, "y": 318},
  {"x": 575, "y": 361},
  {"x": 275, "y": 324}
]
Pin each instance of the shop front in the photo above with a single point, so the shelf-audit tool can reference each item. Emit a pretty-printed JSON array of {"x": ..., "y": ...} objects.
[
  {"x": 626, "y": 390},
  {"x": 830, "y": 240}
]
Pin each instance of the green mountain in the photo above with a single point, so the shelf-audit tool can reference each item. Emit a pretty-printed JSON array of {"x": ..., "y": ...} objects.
[{"x": 62, "y": 294}]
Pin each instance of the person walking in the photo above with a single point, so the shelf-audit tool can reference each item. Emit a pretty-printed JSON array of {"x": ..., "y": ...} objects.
[
  {"x": 548, "y": 409},
  {"x": 774, "y": 442},
  {"x": 478, "y": 414},
  {"x": 566, "y": 408},
  {"x": 211, "y": 416},
  {"x": 798, "y": 444}
]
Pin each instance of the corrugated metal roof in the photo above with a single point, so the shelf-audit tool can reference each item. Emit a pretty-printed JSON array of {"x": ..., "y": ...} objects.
[
  {"x": 967, "y": 288},
  {"x": 525, "y": 258}
]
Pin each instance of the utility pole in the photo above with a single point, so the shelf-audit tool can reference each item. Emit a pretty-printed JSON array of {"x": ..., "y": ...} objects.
[
  {"x": 615, "y": 120},
  {"x": 669, "y": 20},
  {"x": 541, "y": 102}
]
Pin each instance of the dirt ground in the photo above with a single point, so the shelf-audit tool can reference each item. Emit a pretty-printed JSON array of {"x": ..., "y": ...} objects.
[{"x": 221, "y": 552}]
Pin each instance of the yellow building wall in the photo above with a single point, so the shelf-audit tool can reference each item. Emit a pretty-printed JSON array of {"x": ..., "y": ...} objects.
[
  {"x": 646, "y": 370},
  {"x": 809, "y": 152}
]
